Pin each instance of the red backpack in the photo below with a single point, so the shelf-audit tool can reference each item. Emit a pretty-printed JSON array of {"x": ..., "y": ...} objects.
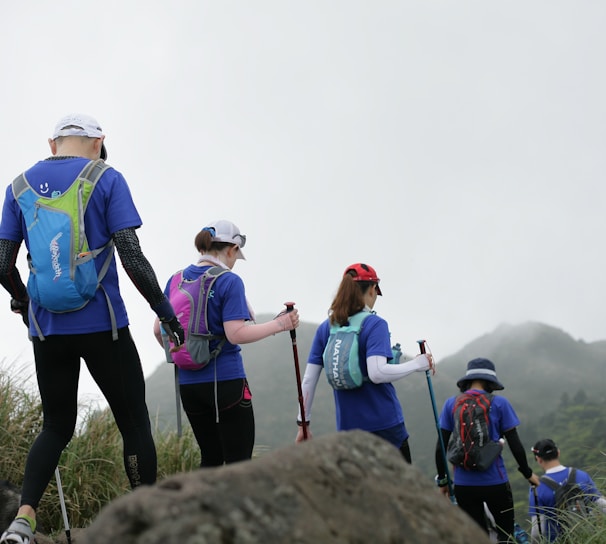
[{"x": 470, "y": 446}]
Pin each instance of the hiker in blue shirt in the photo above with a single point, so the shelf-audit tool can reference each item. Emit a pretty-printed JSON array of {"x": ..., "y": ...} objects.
[
  {"x": 476, "y": 488},
  {"x": 216, "y": 398},
  {"x": 374, "y": 406},
  {"x": 61, "y": 340},
  {"x": 541, "y": 500}
]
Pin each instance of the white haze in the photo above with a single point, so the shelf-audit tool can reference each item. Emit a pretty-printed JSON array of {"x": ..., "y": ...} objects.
[{"x": 458, "y": 147}]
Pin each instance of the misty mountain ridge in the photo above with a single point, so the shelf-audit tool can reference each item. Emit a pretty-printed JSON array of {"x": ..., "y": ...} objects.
[{"x": 538, "y": 364}]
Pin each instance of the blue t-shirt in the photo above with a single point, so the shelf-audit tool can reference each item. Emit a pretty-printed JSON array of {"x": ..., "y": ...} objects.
[
  {"x": 110, "y": 209},
  {"x": 502, "y": 418},
  {"x": 226, "y": 302},
  {"x": 372, "y": 407},
  {"x": 546, "y": 499}
]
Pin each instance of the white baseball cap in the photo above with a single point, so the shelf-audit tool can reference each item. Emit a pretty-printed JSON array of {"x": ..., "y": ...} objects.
[
  {"x": 79, "y": 124},
  {"x": 226, "y": 231}
]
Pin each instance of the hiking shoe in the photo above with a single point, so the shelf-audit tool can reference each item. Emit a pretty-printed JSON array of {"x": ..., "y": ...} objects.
[{"x": 18, "y": 532}]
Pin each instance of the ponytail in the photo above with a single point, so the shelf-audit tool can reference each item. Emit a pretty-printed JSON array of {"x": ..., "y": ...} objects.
[
  {"x": 204, "y": 242},
  {"x": 349, "y": 299}
]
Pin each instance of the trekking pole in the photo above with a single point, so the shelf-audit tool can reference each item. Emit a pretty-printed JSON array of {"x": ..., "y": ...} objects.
[
  {"x": 68, "y": 535},
  {"x": 451, "y": 494},
  {"x": 169, "y": 359},
  {"x": 293, "y": 337},
  {"x": 178, "y": 402},
  {"x": 536, "y": 507}
]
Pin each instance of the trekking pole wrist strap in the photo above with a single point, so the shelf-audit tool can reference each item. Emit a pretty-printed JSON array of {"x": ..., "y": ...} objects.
[
  {"x": 18, "y": 305},
  {"x": 300, "y": 423},
  {"x": 441, "y": 481}
]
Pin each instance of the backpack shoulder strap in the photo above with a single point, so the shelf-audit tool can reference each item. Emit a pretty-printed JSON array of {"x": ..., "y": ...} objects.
[
  {"x": 216, "y": 271},
  {"x": 354, "y": 321},
  {"x": 93, "y": 171},
  {"x": 358, "y": 319},
  {"x": 458, "y": 400},
  {"x": 549, "y": 482},
  {"x": 20, "y": 184},
  {"x": 207, "y": 280},
  {"x": 572, "y": 475}
]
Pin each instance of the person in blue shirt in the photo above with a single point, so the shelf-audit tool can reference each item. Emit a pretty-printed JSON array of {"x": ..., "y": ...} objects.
[
  {"x": 61, "y": 340},
  {"x": 541, "y": 500},
  {"x": 216, "y": 398},
  {"x": 374, "y": 406},
  {"x": 475, "y": 489}
]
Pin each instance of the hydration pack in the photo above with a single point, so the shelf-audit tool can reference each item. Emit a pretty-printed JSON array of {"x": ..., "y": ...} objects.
[
  {"x": 341, "y": 356},
  {"x": 63, "y": 276},
  {"x": 569, "y": 498},
  {"x": 470, "y": 446},
  {"x": 190, "y": 301}
]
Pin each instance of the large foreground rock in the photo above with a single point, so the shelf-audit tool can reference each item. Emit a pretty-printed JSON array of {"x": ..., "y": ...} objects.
[{"x": 349, "y": 487}]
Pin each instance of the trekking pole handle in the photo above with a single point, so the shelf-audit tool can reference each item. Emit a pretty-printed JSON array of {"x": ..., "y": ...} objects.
[
  {"x": 421, "y": 346},
  {"x": 290, "y": 306}
]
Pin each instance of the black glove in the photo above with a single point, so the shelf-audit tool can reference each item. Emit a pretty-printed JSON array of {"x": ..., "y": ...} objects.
[
  {"x": 21, "y": 307},
  {"x": 174, "y": 330}
]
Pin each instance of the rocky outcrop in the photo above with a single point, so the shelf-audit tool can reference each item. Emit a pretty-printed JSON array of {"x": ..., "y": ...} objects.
[{"x": 348, "y": 487}]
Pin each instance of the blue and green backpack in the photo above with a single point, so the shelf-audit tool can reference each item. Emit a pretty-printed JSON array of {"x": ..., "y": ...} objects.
[{"x": 63, "y": 276}]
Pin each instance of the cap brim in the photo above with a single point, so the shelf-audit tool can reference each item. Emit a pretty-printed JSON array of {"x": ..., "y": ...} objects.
[
  {"x": 240, "y": 255},
  {"x": 379, "y": 292},
  {"x": 103, "y": 152}
]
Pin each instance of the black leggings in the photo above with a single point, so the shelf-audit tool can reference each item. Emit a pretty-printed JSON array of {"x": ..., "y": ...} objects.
[
  {"x": 232, "y": 437},
  {"x": 405, "y": 451},
  {"x": 116, "y": 368},
  {"x": 499, "y": 500}
]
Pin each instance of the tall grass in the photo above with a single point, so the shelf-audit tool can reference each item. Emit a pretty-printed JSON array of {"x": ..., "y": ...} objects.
[
  {"x": 582, "y": 530},
  {"x": 91, "y": 467},
  {"x": 20, "y": 422}
]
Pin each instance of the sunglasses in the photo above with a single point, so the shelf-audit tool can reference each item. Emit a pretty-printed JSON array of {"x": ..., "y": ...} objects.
[{"x": 242, "y": 238}]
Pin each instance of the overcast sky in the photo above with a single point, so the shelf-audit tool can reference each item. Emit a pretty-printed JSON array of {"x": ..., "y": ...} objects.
[{"x": 457, "y": 147}]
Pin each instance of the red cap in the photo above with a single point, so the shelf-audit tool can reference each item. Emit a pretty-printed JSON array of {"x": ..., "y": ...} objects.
[{"x": 364, "y": 272}]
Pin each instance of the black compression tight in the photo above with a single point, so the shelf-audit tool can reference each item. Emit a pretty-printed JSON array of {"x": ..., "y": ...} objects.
[
  {"x": 230, "y": 439},
  {"x": 405, "y": 451},
  {"x": 499, "y": 500},
  {"x": 116, "y": 368}
]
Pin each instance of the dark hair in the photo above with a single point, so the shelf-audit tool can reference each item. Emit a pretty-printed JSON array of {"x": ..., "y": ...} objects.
[
  {"x": 486, "y": 385},
  {"x": 204, "y": 242},
  {"x": 549, "y": 456},
  {"x": 546, "y": 449},
  {"x": 349, "y": 299}
]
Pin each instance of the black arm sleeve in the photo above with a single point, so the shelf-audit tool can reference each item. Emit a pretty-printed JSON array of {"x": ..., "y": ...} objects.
[
  {"x": 517, "y": 450},
  {"x": 440, "y": 462},
  {"x": 137, "y": 267},
  {"x": 10, "y": 278}
]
